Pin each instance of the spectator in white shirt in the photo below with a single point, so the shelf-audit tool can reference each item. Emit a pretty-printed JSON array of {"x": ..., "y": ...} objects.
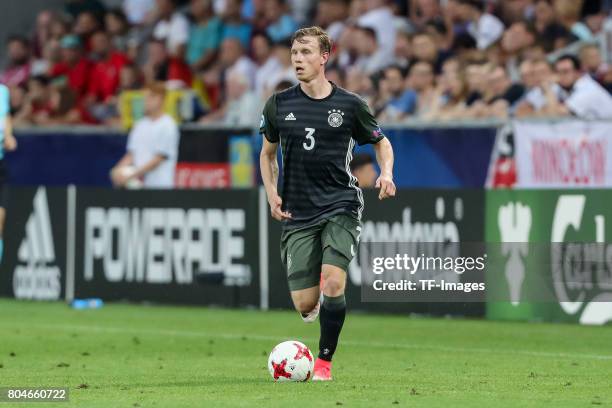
[
  {"x": 485, "y": 28},
  {"x": 267, "y": 63},
  {"x": 241, "y": 107},
  {"x": 172, "y": 27},
  {"x": 138, "y": 11},
  {"x": 152, "y": 148},
  {"x": 581, "y": 95},
  {"x": 380, "y": 18},
  {"x": 286, "y": 72},
  {"x": 232, "y": 58},
  {"x": 371, "y": 58},
  {"x": 537, "y": 76}
]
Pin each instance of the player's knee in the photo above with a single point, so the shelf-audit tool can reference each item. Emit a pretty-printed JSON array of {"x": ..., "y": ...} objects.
[
  {"x": 333, "y": 286},
  {"x": 305, "y": 305}
]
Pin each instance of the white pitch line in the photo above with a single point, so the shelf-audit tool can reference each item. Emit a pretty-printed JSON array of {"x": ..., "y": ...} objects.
[{"x": 229, "y": 336}]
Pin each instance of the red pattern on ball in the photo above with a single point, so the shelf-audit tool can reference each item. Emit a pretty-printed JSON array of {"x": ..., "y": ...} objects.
[
  {"x": 279, "y": 370},
  {"x": 302, "y": 352}
]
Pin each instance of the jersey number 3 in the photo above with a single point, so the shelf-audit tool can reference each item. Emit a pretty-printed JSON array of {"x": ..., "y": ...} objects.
[{"x": 309, "y": 145}]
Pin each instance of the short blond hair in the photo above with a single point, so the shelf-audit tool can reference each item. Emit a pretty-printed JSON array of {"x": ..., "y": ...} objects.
[
  {"x": 157, "y": 88},
  {"x": 318, "y": 33}
]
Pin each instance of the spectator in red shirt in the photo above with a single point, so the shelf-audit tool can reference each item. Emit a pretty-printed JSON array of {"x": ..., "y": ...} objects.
[
  {"x": 36, "y": 103},
  {"x": 105, "y": 76},
  {"x": 17, "y": 70},
  {"x": 159, "y": 66},
  {"x": 74, "y": 66},
  {"x": 105, "y": 71},
  {"x": 63, "y": 109}
]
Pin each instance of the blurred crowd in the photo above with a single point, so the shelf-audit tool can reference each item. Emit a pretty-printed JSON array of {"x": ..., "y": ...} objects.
[{"x": 425, "y": 59}]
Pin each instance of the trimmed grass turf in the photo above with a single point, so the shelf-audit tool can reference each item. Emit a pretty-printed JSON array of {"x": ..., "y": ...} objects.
[{"x": 153, "y": 356}]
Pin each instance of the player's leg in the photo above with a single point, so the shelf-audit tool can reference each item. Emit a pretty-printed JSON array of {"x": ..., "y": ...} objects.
[
  {"x": 301, "y": 255},
  {"x": 331, "y": 319},
  {"x": 339, "y": 239},
  {"x": 306, "y": 302}
]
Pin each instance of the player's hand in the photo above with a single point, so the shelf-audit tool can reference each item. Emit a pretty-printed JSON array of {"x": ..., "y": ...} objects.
[
  {"x": 118, "y": 177},
  {"x": 10, "y": 143},
  {"x": 387, "y": 187},
  {"x": 275, "y": 208}
]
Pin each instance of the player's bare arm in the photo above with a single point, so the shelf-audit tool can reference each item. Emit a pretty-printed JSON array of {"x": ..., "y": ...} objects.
[
  {"x": 10, "y": 143},
  {"x": 269, "y": 174},
  {"x": 148, "y": 166},
  {"x": 384, "y": 157}
]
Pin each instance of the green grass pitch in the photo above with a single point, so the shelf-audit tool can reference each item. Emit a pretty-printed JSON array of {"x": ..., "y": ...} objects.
[{"x": 153, "y": 356}]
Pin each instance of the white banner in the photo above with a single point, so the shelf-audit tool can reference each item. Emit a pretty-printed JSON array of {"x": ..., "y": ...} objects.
[{"x": 563, "y": 154}]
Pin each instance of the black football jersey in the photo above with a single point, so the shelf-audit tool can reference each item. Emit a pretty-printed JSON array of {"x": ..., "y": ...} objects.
[{"x": 317, "y": 138}]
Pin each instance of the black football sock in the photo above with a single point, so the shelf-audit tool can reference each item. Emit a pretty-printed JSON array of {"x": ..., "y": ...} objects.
[{"x": 331, "y": 319}]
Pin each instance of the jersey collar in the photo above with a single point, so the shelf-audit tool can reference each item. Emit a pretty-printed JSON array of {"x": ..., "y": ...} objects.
[{"x": 318, "y": 100}]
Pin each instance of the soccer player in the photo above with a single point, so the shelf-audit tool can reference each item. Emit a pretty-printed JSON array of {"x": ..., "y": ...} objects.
[
  {"x": 317, "y": 125},
  {"x": 8, "y": 143}
]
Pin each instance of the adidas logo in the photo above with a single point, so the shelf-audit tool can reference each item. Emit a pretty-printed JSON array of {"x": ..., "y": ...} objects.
[
  {"x": 34, "y": 277},
  {"x": 290, "y": 116}
]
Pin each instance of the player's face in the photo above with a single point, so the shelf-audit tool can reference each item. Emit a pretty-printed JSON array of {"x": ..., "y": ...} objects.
[{"x": 306, "y": 58}]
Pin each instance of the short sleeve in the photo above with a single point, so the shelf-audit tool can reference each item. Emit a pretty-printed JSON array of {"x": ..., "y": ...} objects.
[
  {"x": 131, "y": 142},
  {"x": 166, "y": 140},
  {"x": 267, "y": 125},
  {"x": 366, "y": 129}
]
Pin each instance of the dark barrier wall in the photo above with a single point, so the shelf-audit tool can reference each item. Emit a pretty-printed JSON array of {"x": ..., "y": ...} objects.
[
  {"x": 436, "y": 157},
  {"x": 207, "y": 145},
  {"x": 451, "y": 158},
  {"x": 59, "y": 159},
  {"x": 414, "y": 216},
  {"x": 199, "y": 247},
  {"x": 34, "y": 261},
  {"x": 85, "y": 159},
  {"x": 215, "y": 158},
  {"x": 180, "y": 247}
]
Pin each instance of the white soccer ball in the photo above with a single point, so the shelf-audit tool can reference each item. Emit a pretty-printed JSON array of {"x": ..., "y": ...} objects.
[{"x": 291, "y": 361}]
